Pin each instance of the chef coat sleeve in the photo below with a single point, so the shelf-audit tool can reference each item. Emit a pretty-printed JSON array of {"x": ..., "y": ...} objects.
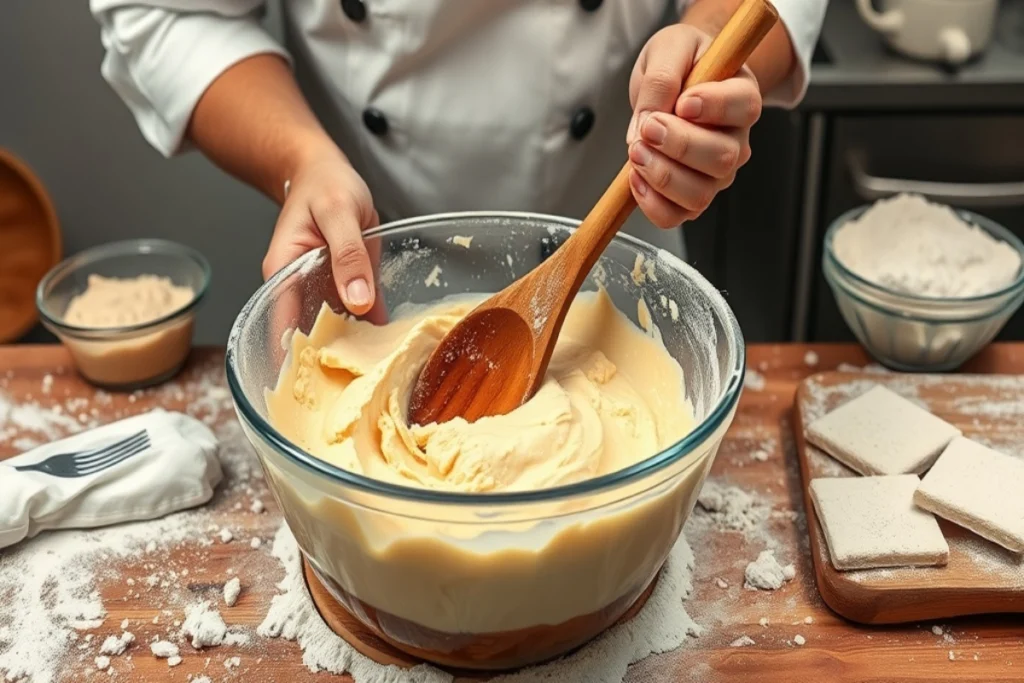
[
  {"x": 802, "y": 20},
  {"x": 162, "y": 55}
]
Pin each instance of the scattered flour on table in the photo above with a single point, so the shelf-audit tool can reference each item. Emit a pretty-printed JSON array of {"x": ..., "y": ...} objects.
[
  {"x": 163, "y": 649},
  {"x": 742, "y": 641},
  {"x": 49, "y": 423},
  {"x": 231, "y": 591},
  {"x": 765, "y": 573},
  {"x": 760, "y": 455},
  {"x": 754, "y": 380},
  {"x": 911, "y": 245},
  {"x": 116, "y": 645},
  {"x": 204, "y": 625},
  {"x": 731, "y": 508},
  {"x": 49, "y": 588},
  {"x": 662, "y": 625}
]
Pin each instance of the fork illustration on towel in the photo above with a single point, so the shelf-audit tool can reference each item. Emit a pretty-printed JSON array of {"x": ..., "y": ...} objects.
[{"x": 84, "y": 463}]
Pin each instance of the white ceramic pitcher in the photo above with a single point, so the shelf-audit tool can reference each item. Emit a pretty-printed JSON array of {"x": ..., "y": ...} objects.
[{"x": 950, "y": 31}]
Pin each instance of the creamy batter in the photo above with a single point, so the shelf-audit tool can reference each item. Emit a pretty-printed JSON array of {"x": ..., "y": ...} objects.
[{"x": 612, "y": 396}]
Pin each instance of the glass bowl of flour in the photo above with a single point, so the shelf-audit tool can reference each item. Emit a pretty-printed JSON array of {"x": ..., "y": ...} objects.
[
  {"x": 125, "y": 310},
  {"x": 923, "y": 286},
  {"x": 510, "y": 540}
]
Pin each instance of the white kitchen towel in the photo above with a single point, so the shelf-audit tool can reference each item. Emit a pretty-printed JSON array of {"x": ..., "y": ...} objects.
[{"x": 178, "y": 470}]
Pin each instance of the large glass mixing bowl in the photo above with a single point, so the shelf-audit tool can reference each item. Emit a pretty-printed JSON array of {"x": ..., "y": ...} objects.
[{"x": 497, "y": 580}]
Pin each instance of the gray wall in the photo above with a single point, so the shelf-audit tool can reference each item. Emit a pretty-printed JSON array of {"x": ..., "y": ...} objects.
[{"x": 61, "y": 118}]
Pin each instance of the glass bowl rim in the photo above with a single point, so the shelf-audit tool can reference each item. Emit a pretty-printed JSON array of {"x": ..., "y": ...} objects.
[
  {"x": 990, "y": 226},
  {"x": 121, "y": 248},
  {"x": 716, "y": 416}
]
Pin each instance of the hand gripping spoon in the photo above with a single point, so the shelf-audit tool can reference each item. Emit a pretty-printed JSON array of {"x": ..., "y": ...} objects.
[{"x": 495, "y": 358}]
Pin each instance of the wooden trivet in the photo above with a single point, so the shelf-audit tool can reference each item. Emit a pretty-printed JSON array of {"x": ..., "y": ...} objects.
[{"x": 371, "y": 645}]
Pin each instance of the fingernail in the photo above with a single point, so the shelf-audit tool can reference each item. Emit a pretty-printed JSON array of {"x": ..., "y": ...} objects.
[
  {"x": 631, "y": 131},
  {"x": 690, "y": 107},
  {"x": 654, "y": 131},
  {"x": 639, "y": 154},
  {"x": 639, "y": 184},
  {"x": 358, "y": 292}
]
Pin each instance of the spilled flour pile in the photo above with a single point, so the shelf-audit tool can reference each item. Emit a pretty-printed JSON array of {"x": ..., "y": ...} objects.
[
  {"x": 732, "y": 508},
  {"x": 662, "y": 625},
  {"x": 48, "y": 589}
]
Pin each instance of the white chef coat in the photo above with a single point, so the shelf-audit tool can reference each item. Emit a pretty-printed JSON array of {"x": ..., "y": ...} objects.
[{"x": 479, "y": 97}]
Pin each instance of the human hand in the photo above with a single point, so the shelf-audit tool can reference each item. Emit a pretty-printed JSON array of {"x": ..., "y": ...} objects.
[
  {"x": 685, "y": 146},
  {"x": 328, "y": 203}
]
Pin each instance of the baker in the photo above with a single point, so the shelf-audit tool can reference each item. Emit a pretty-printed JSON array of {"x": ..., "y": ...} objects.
[{"x": 424, "y": 106}]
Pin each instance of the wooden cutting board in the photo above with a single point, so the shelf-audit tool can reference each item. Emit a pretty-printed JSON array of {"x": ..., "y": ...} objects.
[{"x": 981, "y": 577}]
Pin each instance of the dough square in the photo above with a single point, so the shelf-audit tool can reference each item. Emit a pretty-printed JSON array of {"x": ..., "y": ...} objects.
[
  {"x": 871, "y": 522},
  {"x": 880, "y": 432},
  {"x": 980, "y": 489}
]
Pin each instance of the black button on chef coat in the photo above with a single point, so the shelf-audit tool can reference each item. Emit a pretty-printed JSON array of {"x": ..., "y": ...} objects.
[
  {"x": 354, "y": 9},
  {"x": 581, "y": 123},
  {"x": 590, "y": 5},
  {"x": 375, "y": 121}
]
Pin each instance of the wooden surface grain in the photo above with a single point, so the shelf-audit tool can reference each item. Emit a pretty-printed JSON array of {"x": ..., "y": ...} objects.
[
  {"x": 757, "y": 455},
  {"x": 980, "y": 577}
]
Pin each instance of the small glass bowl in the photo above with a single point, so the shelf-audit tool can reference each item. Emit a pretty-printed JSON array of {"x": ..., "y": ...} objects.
[
  {"x": 497, "y": 580},
  {"x": 133, "y": 356},
  {"x": 916, "y": 333}
]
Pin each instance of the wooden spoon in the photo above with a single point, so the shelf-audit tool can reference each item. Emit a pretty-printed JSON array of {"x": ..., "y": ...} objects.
[{"x": 495, "y": 358}]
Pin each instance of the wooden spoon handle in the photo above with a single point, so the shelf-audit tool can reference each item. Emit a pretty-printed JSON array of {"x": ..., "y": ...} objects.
[
  {"x": 723, "y": 59},
  {"x": 738, "y": 39}
]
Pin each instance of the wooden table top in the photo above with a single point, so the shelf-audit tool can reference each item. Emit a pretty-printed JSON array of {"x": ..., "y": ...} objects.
[{"x": 983, "y": 649}]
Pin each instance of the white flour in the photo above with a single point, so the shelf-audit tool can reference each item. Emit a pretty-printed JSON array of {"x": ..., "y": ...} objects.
[
  {"x": 731, "y": 508},
  {"x": 910, "y": 245},
  {"x": 51, "y": 423},
  {"x": 754, "y": 380},
  {"x": 48, "y": 589},
  {"x": 231, "y": 590},
  {"x": 205, "y": 626},
  {"x": 765, "y": 573},
  {"x": 662, "y": 625}
]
